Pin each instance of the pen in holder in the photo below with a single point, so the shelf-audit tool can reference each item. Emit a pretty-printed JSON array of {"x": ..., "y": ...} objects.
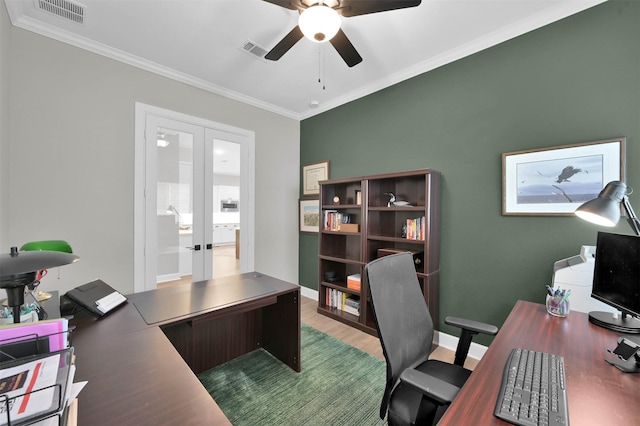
[{"x": 558, "y": 302}]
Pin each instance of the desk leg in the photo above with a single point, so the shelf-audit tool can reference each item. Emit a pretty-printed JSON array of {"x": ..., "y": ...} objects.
[{"x": 281, "y": 329}]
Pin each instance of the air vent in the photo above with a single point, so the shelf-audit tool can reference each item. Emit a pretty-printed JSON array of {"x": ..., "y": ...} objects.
[
  {"x": 254, "y": 49},
  {"x": 64, "y": 8}
]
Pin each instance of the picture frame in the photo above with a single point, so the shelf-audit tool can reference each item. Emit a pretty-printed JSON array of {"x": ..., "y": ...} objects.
[
  {"x": 309, "y": 216},
  {"x": 312, "y": 174},
  {"x": 556, "y": 181}
]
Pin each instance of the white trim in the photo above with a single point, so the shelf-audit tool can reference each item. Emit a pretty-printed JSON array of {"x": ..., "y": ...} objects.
[
  {"x": 308, "y": 292},
  {"x": 547, "y": 16},
  {"x": 38, "y": 27},
  {"x": 450, "y": 342},
  {"x": 168, "y": 277},
  {"x": 447, "y": 341}
]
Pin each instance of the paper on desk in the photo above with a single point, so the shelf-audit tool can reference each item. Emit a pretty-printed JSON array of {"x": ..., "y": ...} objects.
[
  {"x": 110, "y": 301},
  {"x": 28, "y": 389},
  {"x": 57, "y": 330},
  {"x": 73, "y": 389}
]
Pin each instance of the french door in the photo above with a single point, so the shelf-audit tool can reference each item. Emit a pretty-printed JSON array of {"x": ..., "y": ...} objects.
[
  {"x": 179, "y": 200},
  {"x": 187, "y": 198}
]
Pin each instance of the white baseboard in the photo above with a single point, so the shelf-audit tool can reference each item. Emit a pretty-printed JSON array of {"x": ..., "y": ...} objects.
[
  {"x": 445, "y": 340},
  {"x": 167, "y": 277},
  {"x": 308, "y": 292}
]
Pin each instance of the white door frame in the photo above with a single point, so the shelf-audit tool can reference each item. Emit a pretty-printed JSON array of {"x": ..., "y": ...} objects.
[{"x": 142, "y": 280}]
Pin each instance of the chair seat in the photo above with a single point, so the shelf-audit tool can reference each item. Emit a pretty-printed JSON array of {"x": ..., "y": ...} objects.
[{"x": 407, "y": 404}]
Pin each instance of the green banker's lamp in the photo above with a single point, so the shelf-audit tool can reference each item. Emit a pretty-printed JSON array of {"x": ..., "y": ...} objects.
[
  {"x": 605, "y": 209},
  {"x": 19, "y": 269}
]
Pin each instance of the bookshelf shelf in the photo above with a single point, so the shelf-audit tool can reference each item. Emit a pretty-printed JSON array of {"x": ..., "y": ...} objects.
[
  {"x": 357, "y": 234},
  {"x": 382, "y": 230}
]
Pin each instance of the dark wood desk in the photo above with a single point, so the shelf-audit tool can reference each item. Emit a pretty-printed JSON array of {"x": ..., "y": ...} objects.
[
  {"x": 141, "y": 373},
  {"x": 598, "y": 393}
]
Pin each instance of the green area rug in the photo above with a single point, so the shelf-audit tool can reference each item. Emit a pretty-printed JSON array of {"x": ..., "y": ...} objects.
[{"x": 338, "y": 385}]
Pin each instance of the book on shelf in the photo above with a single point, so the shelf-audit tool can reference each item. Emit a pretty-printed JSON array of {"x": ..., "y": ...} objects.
[
  {"x": 416, "y": 228},
  {"x": 342, "y": 301},
  {"x": 334, "y": 220},
  {"x": 353, "y": 282},
  {"x": 352, "y": 305}
]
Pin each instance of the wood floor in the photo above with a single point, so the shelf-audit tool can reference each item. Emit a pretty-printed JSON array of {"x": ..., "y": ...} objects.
[
  {"x": 363, "y": 341},
  {"x": 225, "y": 264}
]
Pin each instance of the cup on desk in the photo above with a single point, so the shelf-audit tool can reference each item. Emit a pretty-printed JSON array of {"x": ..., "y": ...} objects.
[{"x": 558, "y": 305}]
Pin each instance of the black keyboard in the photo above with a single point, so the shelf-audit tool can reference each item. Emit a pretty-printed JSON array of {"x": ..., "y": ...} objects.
[{"x": 533, "y": 390}]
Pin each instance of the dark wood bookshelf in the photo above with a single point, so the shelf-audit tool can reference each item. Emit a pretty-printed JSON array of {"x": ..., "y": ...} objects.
[{"x": 380, "y": 228}]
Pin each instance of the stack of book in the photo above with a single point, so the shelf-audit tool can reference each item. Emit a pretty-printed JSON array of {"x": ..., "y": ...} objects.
[
  {"x": 343, "y": 301},
  {"x": 353, "y": 282},
  {"x": 36, "y": 374},
  {"x": 416, "y": 228},
  {"x": 337, "y": 221}
]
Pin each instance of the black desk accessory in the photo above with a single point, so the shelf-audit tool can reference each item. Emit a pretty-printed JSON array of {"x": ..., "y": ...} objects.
[
  {"x": 627, "y": 356},
  {"x": 90, "y": 295},
  {"x": 19, "y": 269}
]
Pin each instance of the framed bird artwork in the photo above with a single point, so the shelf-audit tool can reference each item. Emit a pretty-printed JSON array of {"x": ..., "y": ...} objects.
[{"x": 556, "y": 181}]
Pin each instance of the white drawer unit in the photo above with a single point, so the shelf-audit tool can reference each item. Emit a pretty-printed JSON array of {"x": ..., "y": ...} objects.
[{"x": 224, "y": 233}]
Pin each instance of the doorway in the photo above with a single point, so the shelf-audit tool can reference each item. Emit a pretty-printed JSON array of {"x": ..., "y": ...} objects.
[{"x": 194, "y": 203}]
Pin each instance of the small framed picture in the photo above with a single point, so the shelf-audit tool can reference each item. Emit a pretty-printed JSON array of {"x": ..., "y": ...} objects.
[
  {"x": 556, "y": 181},
  {"x": 309, "y": 216},
  {"x": 311, "y": 175}
]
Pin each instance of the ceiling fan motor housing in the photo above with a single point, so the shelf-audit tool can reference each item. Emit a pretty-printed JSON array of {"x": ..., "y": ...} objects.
[{"x": 319, "y": 23}]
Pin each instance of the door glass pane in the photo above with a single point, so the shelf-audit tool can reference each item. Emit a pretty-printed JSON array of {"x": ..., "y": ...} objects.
[
  {"x": 174, "y": 208},
  {"x": 226, "y": 208}
]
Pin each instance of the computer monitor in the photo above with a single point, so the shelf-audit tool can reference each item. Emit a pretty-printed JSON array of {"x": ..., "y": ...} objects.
[{"x": 616, "y": 281}]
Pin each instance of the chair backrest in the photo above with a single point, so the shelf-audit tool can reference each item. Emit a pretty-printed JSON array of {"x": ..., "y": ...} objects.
[{"x": 402, "y": 317}]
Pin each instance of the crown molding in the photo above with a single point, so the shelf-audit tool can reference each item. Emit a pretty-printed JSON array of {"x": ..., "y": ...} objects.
[
  {"x": 36, "y": 26},
  {"x": 509, "y": 32},
  {"x": 548, "y": 16}
]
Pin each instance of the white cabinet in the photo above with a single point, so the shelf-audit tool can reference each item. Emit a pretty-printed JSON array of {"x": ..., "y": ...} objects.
[{"x": 224, "y": 233}]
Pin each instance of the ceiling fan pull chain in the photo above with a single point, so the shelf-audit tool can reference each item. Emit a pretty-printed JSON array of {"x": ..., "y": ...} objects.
[
  {"x": 322, "y": 67},
  {"x": 319, "y": 66}
]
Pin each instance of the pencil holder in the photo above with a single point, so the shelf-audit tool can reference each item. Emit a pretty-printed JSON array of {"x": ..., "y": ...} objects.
[{"x": 558, "y": 306}]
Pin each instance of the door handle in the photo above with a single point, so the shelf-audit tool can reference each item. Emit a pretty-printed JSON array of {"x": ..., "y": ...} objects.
[{"x": 196, "y": 247}]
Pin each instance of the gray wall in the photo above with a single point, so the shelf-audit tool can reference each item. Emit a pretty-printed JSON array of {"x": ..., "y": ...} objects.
[
  {"x": 576, "y": 80},
  {"x": 71, "y": 142},
  {"x": 4, "y": 121}
]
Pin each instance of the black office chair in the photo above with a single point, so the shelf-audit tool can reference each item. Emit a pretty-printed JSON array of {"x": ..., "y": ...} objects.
[{"x": 418, "y": 390}]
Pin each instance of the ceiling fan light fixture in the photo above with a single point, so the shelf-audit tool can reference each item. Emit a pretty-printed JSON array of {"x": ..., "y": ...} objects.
[{"x": 319, "y": 23}]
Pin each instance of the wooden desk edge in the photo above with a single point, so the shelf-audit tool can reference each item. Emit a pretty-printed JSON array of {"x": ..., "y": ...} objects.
[
  {"x": 197, "y": 403},
  {"x": 592, "y": 384}
]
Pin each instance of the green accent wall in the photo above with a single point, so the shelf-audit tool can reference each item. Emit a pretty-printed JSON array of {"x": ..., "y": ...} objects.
[{"x": 576, "y": 80}]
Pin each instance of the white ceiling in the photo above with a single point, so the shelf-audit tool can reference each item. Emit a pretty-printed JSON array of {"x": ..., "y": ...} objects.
[{"x": 200, "y": 42}]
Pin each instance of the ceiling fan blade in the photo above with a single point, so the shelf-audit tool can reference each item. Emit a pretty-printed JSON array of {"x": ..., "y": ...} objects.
[
  {"x": 345, "y": 48},
  {"x": 285, "y": 44},
  {"x": 287, "y": 4},
  {"x": 359, "y": 7}
]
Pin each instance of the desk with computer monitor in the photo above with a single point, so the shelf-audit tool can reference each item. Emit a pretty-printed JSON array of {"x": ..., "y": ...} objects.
[{"x": 598, "y": 393}]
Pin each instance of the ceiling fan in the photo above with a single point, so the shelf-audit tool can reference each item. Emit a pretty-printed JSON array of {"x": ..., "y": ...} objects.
[{"x": 320, "y": 22}]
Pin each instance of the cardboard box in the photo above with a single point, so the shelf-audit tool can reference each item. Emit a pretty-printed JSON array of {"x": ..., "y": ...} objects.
[
  {"x": 353, "y": 282},
  {"x": 349, "y": 227}
]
